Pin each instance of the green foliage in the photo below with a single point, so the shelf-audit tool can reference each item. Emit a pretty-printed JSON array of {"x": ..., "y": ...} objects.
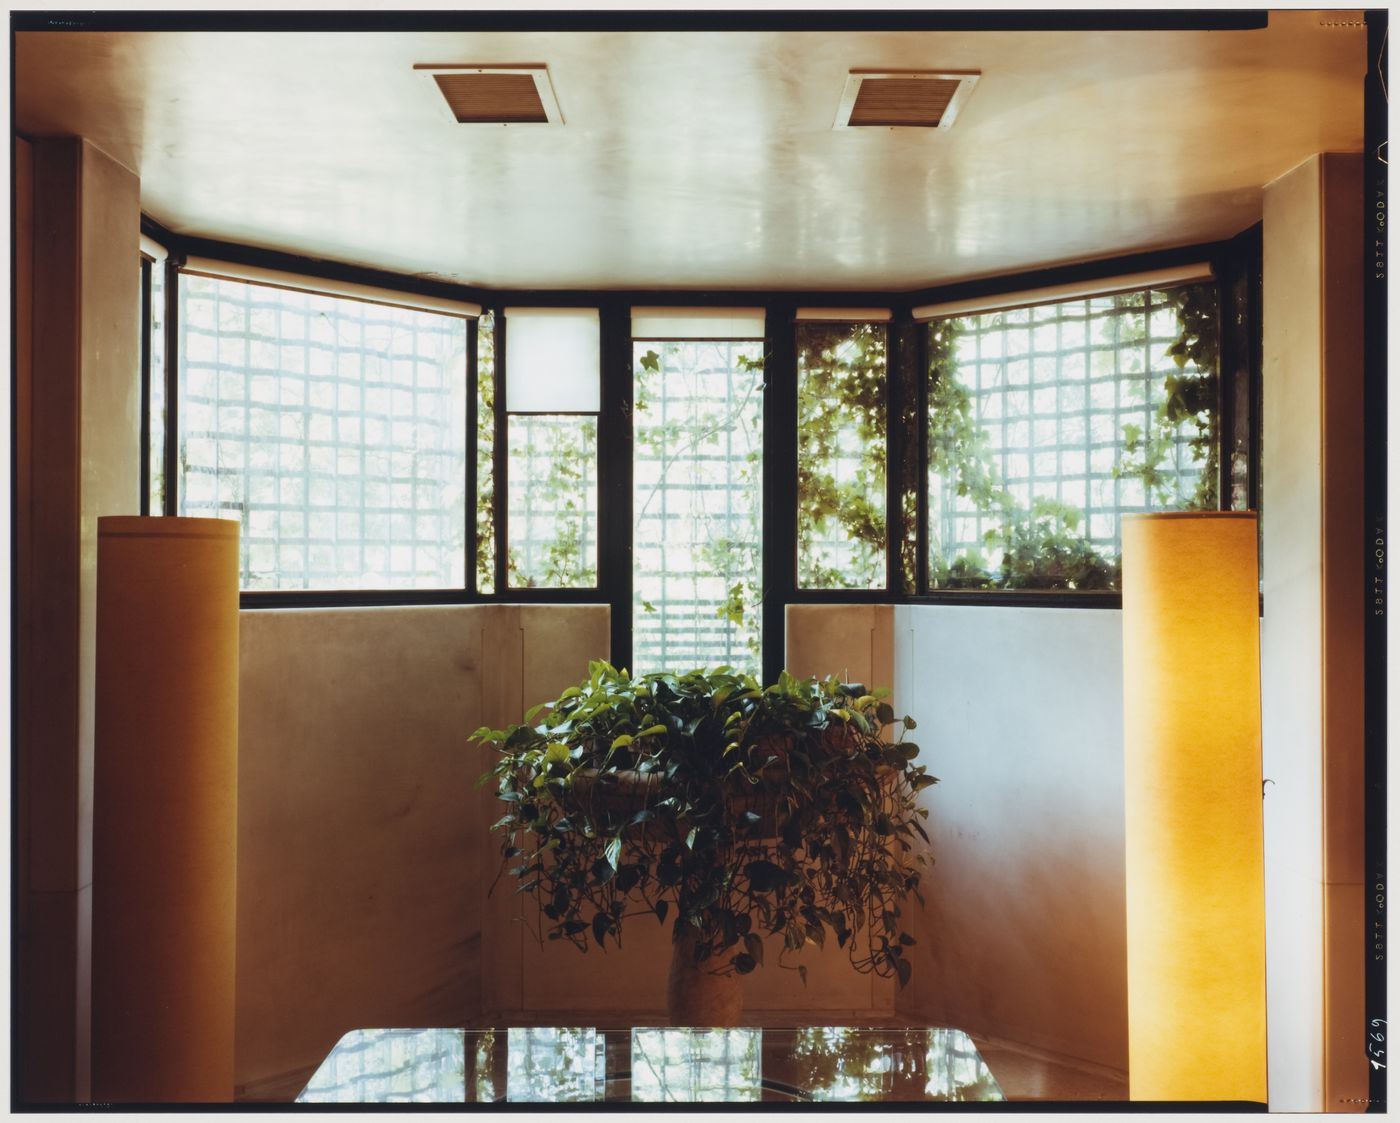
[
  {"x": 1191, "y": 400},
  {"x": 733, "y": 809},
  {"x": 842, "y": 420},
  {"x": 1043, "y": 549}
]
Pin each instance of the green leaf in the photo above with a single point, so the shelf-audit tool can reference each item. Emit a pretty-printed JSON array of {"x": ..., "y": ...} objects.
[
  {"x": 613, "y": 851},
  {"x": 764, "y": 876},
  {"x": 690, "y": 838},
  {"x": 622, "y": 740}
]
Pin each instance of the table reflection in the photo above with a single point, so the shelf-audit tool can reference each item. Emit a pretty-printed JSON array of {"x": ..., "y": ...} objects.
[
  {"x": 391, "y": 1066},
  {"x": 651, "y": 1065},
  {"x": 696, "y": 1065},
  {"x": 545, "y": 1065},
  {"x": 847, "y": 1064}
]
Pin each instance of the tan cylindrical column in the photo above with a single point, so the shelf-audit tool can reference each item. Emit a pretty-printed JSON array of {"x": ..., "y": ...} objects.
[
  {"x": 1193, "y": 807},
  {"x": 165, "y": 810}
]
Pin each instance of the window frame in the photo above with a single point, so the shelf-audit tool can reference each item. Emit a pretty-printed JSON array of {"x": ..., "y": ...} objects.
[
  {"x": 148, "y": 264},
  {"x": 1028, "y": 303},
  {"x": 1236, "y": 264},
  {"x": 384, "y": 595},
  {"x": 1236, "y": 267},
  {"x": 500, "y": 450}
]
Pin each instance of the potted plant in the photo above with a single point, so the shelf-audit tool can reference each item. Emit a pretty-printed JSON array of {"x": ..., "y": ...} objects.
[{"x": 730, "y": 809}]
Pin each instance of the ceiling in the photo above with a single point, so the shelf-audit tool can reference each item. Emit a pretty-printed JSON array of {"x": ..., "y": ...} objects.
[{"x": 694, "y": 159}]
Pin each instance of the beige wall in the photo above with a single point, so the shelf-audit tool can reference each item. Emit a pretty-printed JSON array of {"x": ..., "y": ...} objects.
[
  {"x": 1312, "y": 579},
  {"x": 1020, "y": 716},
  {"x": 362, "y": 846},
  {"x": 78, "y": 437},
  {"x": 854, "y": 642}
]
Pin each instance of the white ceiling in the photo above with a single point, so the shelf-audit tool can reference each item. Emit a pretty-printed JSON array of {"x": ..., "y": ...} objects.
[{"x": 704, "y": 159}]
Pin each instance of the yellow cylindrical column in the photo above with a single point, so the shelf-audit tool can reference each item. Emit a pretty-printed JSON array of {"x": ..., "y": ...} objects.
[
  {"x": 1194, "y": 807},
  {"x": 165, "y": 810}
]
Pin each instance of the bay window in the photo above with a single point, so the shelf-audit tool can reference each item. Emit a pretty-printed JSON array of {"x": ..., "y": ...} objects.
[{"x": 695, "y": 467}]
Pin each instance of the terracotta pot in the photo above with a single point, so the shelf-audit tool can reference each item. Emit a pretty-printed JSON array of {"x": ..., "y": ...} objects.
[{"x": 695, "y": 995}]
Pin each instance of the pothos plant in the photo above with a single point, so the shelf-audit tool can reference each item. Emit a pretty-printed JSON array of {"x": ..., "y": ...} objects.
[{"x": 730, "y": 809}]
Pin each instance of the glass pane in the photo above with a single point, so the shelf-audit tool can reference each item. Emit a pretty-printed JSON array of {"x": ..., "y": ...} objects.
[
  {"x": 552, "y": 516},
  {"x": 562, "y": 1065},
  {"x": 334, "y": 429},
  {"x": 1047, "y": 424},
  {"x": 156, "y": 328},
  {"x": 485, "y": 454},
  {"x": 697, "y": 505},
  {"x": 841, "y": 406},
  {"x": 552, "y": 360}
]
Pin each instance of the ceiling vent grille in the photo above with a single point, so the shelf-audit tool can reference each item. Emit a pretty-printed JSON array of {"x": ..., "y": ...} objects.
[
  {"x": 495, "y": 95},
  {"x": 920, "y": 99}
]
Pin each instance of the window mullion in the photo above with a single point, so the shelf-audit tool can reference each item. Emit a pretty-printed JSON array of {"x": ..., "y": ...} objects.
[
  {"x": 779, "y": 483},
  {"x": 469, "y": 507},
  {"x": 500, "y": 452},
  {"x": 170, "y": 502},
  {"x": 615, "y": 520}
]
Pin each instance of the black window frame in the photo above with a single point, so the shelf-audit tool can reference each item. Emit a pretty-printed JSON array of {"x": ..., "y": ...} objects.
[{"x": 1236, "y": 264}]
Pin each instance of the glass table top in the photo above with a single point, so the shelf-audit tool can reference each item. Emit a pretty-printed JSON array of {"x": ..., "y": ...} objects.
[{"x": 651, "y": 1065}]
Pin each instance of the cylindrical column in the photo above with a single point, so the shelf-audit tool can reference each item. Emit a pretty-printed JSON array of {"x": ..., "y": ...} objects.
[
  {"x": 165, "y": 810},
  {"x": 1193, "y": 807}
]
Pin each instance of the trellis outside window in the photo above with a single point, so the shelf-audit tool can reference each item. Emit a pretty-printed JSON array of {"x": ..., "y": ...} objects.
[
  {"x": 332, "y": 428},
  {"x": 1049, "y": 421},
  {"x": 697, "y": 516}
]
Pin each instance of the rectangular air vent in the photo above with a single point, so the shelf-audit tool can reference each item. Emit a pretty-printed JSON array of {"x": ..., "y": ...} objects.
[
  {"x": 920, "y": 99},
  {"x": 496, "y": 94}
]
